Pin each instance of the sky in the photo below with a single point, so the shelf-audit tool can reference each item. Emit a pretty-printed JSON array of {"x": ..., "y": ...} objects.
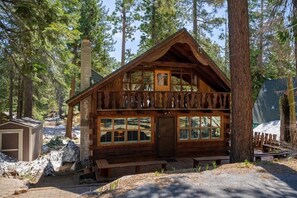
[{"x": 110, "y": 5}]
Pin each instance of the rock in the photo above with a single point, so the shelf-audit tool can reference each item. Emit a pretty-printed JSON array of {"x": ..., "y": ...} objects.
[
  {"x": 70, "y": 152},
  {"x": 56, "y": 159},
  {"x": 49, "y": 169},
  {"x": 45, "y": 149},
  {"x": 6, "y": 158}
]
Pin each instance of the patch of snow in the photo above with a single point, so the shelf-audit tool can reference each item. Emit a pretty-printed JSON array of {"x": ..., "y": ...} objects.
[
  {"x": 272, "y": 127},
  {"x": 60, "y": 130},
  {"x": 46, "y": 164}
]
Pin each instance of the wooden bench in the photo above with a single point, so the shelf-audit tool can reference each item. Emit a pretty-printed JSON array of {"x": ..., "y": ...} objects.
[
  {"x": 217, "y": 159},
  {"x": 103, "y": 165},
  {"x": 258, "y": 156}
]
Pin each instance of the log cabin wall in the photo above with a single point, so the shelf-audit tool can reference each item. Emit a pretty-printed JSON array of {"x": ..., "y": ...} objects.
[{"x": 124, "y": 152}]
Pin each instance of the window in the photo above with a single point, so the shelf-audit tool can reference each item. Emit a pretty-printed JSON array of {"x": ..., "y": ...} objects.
[
  {"x": 199, "y": 127},
  {"x": 162, "y": 80},
  {"x": 139, "y": 80},
  {"x": 184, "y": 81},
  {"x": 124, "y": 130}
]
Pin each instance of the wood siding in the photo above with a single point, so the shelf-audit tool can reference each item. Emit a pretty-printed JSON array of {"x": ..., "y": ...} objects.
[{"x": 149, "y": 150}]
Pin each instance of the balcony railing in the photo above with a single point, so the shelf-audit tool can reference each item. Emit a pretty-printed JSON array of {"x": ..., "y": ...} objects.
[{"x": 151, "y": 100}]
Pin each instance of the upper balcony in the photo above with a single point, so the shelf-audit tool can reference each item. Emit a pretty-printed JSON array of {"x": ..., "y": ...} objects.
[{"x": 162, "y": 100}]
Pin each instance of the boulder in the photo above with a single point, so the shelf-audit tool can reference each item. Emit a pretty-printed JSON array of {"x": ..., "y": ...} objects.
[
  {"x": 56, "y": 159},
  {"x": 70, "y": 152}
]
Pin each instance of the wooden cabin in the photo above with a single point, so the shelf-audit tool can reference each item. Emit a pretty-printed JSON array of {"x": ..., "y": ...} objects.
[{"x": 171, "y": 101}]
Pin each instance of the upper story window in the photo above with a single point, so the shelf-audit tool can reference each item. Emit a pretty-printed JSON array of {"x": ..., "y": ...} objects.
[
  {"x": 139, "y": 81},
  {"x": 150, "y": 79}
]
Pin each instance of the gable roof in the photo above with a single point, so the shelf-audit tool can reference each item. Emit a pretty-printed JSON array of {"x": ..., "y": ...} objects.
[
  {"x": 166, "y": 50},
  {"x": 25, "y": 121},
  {"x": 266, "y": 106}
]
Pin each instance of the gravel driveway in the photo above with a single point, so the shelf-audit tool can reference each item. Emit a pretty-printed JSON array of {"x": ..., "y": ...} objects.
[{"x": 232, "y": 180}]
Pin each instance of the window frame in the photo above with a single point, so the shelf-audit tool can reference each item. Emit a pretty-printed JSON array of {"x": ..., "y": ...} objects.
[
  {"x": 125, "y": 142},
  {"x": 200, "y": 127}
]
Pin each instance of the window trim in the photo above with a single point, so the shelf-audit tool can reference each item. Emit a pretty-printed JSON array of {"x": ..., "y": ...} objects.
[
  {"x": 125, "y": 142},
  {"x": 221, "y": 138}
]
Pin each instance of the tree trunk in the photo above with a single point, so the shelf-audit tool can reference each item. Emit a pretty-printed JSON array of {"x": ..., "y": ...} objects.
[
  {"x": 195, "y": 30},
  {"x": 291, "y": 99},
  {"x": 295, "y": 31},
  {"x": 153, "y": 23},
  {"x": 260, "y": 55},
  {"x": 241, "y": 87},
  {"x": 11, "y": 92},
  {"x": 70, "y": 112},
  {"x": 20, "y": 97},
  {"x": 284, "y": 118},
  {"x": 123, "y": 34},
  {"x": 28, "y": 99}
]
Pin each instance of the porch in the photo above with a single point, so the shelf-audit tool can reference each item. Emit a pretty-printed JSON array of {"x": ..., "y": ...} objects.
[{"x": 162, "y": 100}]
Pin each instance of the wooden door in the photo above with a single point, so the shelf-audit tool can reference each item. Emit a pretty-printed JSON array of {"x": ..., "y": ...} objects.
[
  {"x": 166, "y": 134},
  {"x": 11, "y": 143}
]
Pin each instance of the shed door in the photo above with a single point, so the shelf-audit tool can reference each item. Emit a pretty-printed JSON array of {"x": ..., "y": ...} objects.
[
  {"x": 166, "y": 136},
  {"x": 11, "y": 143}
]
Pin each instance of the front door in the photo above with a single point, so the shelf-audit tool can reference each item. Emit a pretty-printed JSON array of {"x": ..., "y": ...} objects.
[{"x": 166, "y": 136}]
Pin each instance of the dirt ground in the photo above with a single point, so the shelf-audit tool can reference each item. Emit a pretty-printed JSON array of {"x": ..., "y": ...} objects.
[{"x": 262, "y": 179}]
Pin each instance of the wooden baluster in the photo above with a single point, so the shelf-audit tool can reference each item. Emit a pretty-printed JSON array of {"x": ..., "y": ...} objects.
[
  {"x": 106, "y": 99},
  {"x": 139, "y": 100},
  {"x": 176, "y": 100},
  {"x": 187, "y": 101},
  {"x": 128, "y": 100},
  {"x": 270, "y": 139},
  {"x": 266, "y": 138},
  {"x": 165, "y": 99},
  {"x": 209, "y": 100},
  {"x": 203, "y": 101},
  {"x": 221, "y": 99},
  {"x": 121, "y": 100},
  {"x": 99, "y": 103},
  {"x": 215, "y": 100},
  {"x": 113, "y": 100},
  {"x": 182, "y": 100},
  {"x": 192, "y": 102},
  {"x": 274, "y": 139},
  {"x": 198, "y": 100},
  {"x": 169, "y": 101},
  {"x": 262, "y": 140},
  {"x": 145, "y": 100},
  {"x": 224, "y": 101},
  {"x": 152, "y": 100}
]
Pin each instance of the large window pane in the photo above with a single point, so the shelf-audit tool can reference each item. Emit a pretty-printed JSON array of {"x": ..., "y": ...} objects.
[
  {"x": 119, "y": 124},
  {"x": 105, "y": 137},
  {"x": 195, "y": 133},
  {"x": 132, "y": 123},
  {"x": 205, "y": 133},
  {"x": 184, "y": 122},
  {"x": 145, "y": 135},
  {"x": 105, "y": 123},
  {"x": 205, "y": 121},
  {"x": 162, "y": 79},
  {"x": 136, "y": 77},
  {"x": 195, "y": 122},
  {"x": 215, "y": 133},
  {"x": 216, "y": 121},
  {"x": 119, "y": 136},
  {"x": 132, "y": 136},
  {"x": 183, "y": 134},
  {"x": 145, "y": 123},
  {"x": 148, "y": 77}
]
